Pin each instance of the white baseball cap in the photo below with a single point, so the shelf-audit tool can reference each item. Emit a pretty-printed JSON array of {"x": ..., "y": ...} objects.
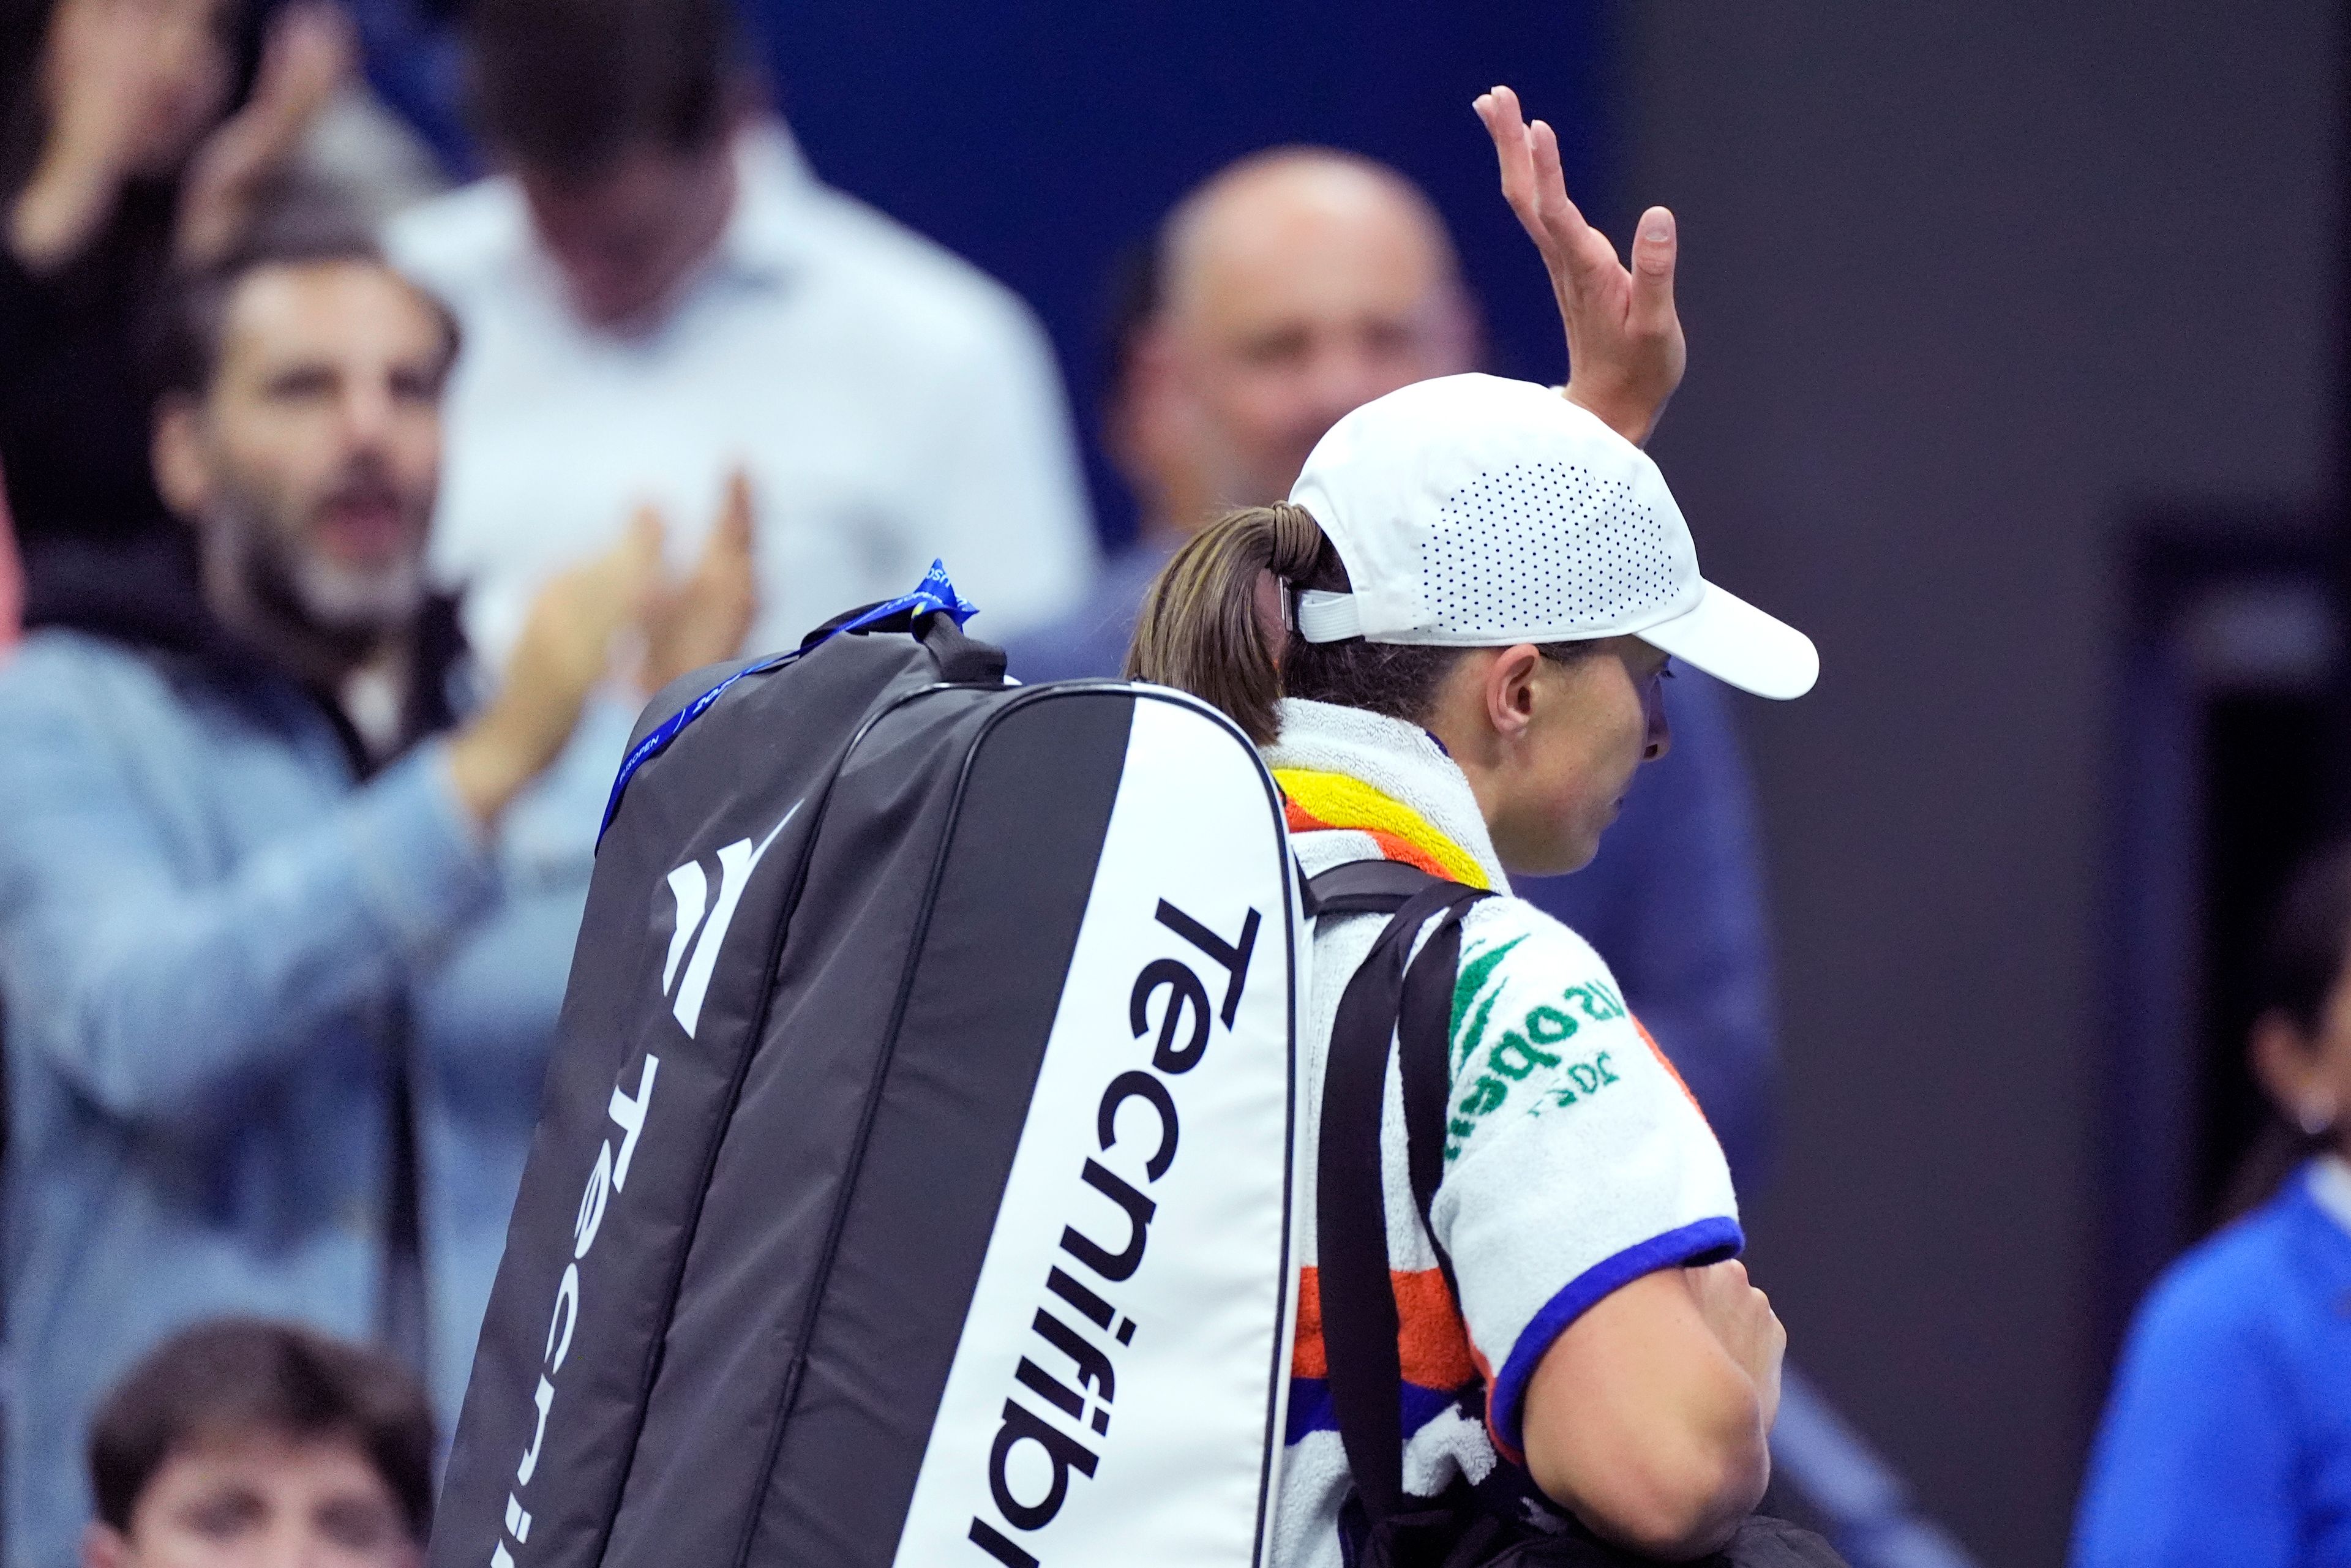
[{"x": 1480, "y": 512}]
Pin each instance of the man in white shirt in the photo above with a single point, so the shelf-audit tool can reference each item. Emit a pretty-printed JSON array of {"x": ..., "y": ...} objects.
[{"x": 659, "y": 295}]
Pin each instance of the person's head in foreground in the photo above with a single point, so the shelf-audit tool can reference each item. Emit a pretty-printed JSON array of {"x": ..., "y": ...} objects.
[
  {"x": 1485, "y": 560},
  {"x": 299, "y": 434},
  {"x": 241, "y": 1443},
  {"x": 1290, "y": 288},
  {"x": 617, "y": 120}
]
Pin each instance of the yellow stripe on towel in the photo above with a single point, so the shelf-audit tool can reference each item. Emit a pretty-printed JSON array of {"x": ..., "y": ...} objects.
[{"x": 1344, "y": 802}]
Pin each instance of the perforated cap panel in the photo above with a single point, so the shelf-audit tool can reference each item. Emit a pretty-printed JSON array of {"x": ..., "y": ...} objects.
[{"x": 1534, "y": 542}]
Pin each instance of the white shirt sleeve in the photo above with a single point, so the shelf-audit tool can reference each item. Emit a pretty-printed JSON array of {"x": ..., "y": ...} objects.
[
  {"x": 1006, "y": 504},
  {"x": 1575, "y": 1160}
]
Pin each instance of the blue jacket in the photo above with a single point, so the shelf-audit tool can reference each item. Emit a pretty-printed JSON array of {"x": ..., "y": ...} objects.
[
  {"x": 1674, "y": 901},
  {"x": 212, "y": 936},
  {"x": 2227, "y": 1438}
]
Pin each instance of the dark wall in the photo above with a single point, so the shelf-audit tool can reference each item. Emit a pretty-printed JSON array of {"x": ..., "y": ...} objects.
[
  {"x": 1041, "y": 137},
  {"x": 1966, "y": 288}
]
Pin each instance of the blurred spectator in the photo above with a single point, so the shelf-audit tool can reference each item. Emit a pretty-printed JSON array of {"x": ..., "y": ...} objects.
[
  {"x": 1288, "y": 289},
  {"x": 659, "y": 293},
  {"x": 128, "y": 139},
  {"x": 247, "y": 1444},
  {"x": 279, "y": 985},
  {"x": 2227, "y": 1437}
]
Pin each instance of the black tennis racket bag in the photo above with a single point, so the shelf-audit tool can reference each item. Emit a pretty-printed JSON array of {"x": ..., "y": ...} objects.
[{"x": 913, "y": 1179}]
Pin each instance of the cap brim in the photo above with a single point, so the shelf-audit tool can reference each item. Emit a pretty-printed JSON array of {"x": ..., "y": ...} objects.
[{"x": 1732, "y": 641}]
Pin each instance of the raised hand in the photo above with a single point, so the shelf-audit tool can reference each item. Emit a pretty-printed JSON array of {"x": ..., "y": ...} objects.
[
  {"x": 1626, "y": 352},
  {"x": 101, "y": 67},
  {"x": 308, "y": 55},
  {"x": 704, "y": 615},
  {"x": 576, "y": 630},
  {"x": 604, "y": 618}
]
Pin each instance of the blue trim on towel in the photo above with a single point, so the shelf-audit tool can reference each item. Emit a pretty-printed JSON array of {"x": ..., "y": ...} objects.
[
  {"x": 1713, "y": 1239},
  {"x": 1311, "y": 1410},
  {"x": 934, "y": 594}
]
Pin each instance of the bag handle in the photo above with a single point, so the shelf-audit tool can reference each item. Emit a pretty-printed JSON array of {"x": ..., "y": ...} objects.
[
  {"x": 963, "y": 660},
  {"x": 1358, "y": 1300}
]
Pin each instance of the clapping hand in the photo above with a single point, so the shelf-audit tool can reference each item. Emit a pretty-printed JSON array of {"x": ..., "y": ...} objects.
[
  {"x": 585, "y": 625},
  {"x": 308, "y": 55},
  {"x": 107, "y": 63},
  {"x": 576, "y": 625},
  {"x": 704, "y": 616},
  {"x": 1625, "y": 347}
]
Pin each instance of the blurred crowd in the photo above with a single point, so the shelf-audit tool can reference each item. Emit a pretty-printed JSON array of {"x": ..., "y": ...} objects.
[{"x": 351, "y": 511}]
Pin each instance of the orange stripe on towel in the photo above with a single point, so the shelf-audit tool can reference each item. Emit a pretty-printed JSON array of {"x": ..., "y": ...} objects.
[
  {"x": 1391, "y": 847},
  {"x": 1431, "y": 1341},
  {"x": 1338, "y": 801},
  {"x": 1667, "y": 1063}
]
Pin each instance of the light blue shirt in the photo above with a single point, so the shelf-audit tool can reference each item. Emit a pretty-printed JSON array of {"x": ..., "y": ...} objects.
[
  {"x": 212, "y": 937},
  {"x": 2227, "y": 1438}
]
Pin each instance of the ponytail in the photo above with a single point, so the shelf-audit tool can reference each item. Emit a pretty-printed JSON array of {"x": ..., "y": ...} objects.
[
  {"x": 1212, "y": 625},
  {"x": 1208, "y": 626}
]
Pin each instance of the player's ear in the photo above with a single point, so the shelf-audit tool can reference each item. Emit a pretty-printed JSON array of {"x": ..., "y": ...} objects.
[{"x": 1510, "y": 690}]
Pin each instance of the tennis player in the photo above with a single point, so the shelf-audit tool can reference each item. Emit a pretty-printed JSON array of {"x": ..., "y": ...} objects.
[{"x": 1450, "y": 643}]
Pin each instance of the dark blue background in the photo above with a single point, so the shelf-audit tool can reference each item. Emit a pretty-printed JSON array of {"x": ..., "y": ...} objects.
[{"x": 1041, "y": 138}]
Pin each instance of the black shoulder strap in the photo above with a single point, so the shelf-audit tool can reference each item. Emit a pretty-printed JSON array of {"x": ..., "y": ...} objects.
[
  {"x": 1424, "y": 1017},
  {"x": 1358, "y": 1301},
  {"x": 1368, "y": 887},
  {"x": 1424, "y": 1052}
]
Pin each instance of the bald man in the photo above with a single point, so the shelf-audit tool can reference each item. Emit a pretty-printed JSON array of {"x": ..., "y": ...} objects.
[
  {"x": 1298, "y": 285},
  {"x": 1290, "y": 288}
]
